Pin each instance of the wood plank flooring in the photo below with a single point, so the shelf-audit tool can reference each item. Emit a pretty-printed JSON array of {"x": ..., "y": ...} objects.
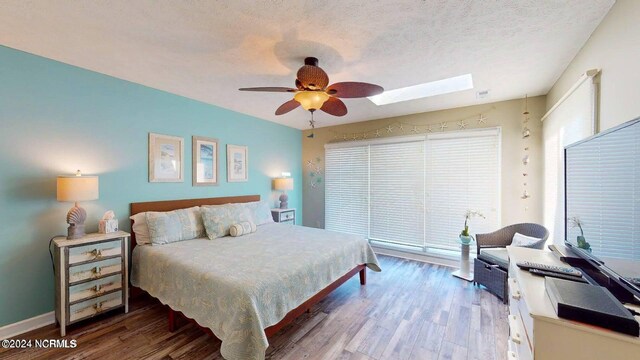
[{"x": 411, "y": 310}]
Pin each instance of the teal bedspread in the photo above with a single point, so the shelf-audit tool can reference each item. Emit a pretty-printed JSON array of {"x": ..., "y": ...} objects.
[{"x": 239, "y": 286}]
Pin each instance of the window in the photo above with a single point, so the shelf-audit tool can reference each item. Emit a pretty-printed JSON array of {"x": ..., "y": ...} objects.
[
  {"x": 347, "y": 190},
  {"x": 463, "y": 172},
  {"x": 397, "y": 192},
  {"x": 414, "y": 190},
  {"x": 569, "y": 121}
]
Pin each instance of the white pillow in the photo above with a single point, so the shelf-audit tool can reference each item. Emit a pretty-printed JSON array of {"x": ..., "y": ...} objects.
[
  {"x": 140, "y": 228},
  {"x": 527, "y": 241}
]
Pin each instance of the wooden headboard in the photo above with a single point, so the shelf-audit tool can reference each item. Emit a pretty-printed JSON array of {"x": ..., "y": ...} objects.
[{"x": 169, "y": 205}]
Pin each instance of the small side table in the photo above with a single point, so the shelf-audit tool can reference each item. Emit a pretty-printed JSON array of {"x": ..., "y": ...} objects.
[
  {"x": 92, "y": 276},
  {"x": 286, "y": 216},
  {"x": 464, "y": 272}
]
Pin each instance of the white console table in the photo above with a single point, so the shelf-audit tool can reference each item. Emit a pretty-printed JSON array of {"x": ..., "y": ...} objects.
[{"x": 536, "y": 332}]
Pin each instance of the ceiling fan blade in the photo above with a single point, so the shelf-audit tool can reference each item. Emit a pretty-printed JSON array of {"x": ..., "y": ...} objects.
[
  {"x": 335, "y": 107},
  {"x": 286, "y": 107},
  {"x": 269, "y": 89},
  {"x": 312, "y": 77},
  {"x": 354, "y": 89}
]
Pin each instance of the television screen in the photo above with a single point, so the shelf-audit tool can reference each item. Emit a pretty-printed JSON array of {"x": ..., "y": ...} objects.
[{"x": 602, "y": 214}]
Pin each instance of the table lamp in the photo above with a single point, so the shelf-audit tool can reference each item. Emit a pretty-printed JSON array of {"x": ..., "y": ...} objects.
[
  {"x": 75, "y": 188},
  {"x": 284, "y": 184}
]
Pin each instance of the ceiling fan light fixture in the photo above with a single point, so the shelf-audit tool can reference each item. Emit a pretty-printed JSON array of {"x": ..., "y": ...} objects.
[{"x": 311, "y": 100}]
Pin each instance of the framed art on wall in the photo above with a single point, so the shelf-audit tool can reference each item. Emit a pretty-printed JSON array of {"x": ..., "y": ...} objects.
[
  {"x": 237, "y": 163},
  {"x": 166, "y": 155},
  {"x": 205, "y": 161}
]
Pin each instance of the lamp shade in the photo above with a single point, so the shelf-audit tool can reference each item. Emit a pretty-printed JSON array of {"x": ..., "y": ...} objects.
[
  {"x": 283, "y": 183},
  {"x": 77, "y": 188}
]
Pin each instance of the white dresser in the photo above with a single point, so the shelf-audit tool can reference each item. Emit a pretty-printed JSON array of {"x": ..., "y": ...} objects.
[
  {"x": 91, "y": 276},
  {"x": 536, "y": 332}
]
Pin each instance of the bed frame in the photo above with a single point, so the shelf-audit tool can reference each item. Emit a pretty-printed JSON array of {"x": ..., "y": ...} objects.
[{"x": 182, "y": 204}]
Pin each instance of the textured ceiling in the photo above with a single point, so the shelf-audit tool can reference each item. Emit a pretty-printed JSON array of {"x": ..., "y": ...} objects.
[{"x": 206, "y": 50}]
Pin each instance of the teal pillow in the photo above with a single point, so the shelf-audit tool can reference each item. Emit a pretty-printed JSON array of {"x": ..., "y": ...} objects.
[{"x": 173, "y": 226}]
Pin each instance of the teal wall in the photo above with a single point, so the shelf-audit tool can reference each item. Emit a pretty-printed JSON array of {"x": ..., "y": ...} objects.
[{"x": 56, "y": 118}]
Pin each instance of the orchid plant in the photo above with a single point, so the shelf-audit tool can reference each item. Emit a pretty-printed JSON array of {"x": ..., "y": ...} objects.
[
  {"x": 468, "y": 215},
  {"x": 582, "y": 242}
]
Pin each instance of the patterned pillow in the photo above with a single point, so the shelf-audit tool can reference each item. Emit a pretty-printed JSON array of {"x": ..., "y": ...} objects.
[
  {"x": 219, "y": 218},
  {"x": 173, "y": 226},
  {"x": 243, "y": 228}
]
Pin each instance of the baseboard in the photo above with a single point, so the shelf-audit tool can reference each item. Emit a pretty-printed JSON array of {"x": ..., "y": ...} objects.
[
  {"x": 21, "y": 327},
  {"x": 418, "y": 257}
]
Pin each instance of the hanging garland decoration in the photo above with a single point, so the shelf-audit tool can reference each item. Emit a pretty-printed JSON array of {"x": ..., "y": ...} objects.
[
  {"x": 406, "y": 128},
  {"x": 526, "y": 134}
]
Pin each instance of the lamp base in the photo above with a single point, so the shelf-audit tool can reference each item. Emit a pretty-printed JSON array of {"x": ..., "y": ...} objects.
[
  {"x": 75, "y": 218},
  {"x": 75, "y": 231},
  {"x": 284, "y": 201}
]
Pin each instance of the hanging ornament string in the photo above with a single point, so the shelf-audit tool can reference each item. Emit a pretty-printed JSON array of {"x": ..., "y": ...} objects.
[
  {"x": 407, "y": 128},
  {"x": 526, "y": 134}
]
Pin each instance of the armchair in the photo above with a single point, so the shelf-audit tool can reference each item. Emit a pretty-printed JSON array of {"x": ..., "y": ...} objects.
[{"x": 492, "y": 262}]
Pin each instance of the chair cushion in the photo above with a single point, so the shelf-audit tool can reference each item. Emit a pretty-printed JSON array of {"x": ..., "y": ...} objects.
[{"x": 497, "y": 256}]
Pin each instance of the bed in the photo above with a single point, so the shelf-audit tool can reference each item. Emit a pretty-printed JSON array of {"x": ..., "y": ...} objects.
[{"x": 245, "y": 289}]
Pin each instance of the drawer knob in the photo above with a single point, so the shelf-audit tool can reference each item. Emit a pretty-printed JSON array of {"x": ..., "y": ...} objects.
[
  {"x": 98, "y": 307},
  {"x": 96, "y": 271},
  {"x": 97, "y": 289},
  {"x": 96, "y": 253}
]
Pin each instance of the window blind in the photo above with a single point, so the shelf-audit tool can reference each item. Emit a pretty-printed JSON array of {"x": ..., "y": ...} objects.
[
  {"x": 413, "y": 191},
  {"x": 571, "y": 121},
  {"x": 604, "y": 188},
  {"x": 347, "y": 190},
  {"x": 463, "y": 173},
  {"x": 397, "y": 192}
]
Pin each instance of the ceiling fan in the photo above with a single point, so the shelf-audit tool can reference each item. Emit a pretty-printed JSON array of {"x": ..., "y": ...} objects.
[{"x": 312, "y": 93}]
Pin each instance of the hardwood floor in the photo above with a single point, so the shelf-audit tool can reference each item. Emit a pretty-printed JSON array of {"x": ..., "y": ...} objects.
[{"x": 411, "y": 310}]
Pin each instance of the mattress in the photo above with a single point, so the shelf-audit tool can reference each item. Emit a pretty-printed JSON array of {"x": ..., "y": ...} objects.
[{"x": 238, "y": 286}]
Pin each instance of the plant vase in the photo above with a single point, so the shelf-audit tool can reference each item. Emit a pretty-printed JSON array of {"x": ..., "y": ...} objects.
[{"x": 466, "y": 240}]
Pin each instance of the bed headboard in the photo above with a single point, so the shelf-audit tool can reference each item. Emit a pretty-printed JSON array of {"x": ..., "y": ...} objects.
[{"x": 169, "y": 205}]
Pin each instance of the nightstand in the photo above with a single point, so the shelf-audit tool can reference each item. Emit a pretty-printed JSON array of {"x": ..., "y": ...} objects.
[
  {"x": 285, "y": 216},
  {"x": 92, "y": 276}
]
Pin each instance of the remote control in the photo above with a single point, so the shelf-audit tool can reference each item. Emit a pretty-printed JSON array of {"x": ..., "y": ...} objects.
[
  {"x": 526, "y": 265},
  {"x": 557, "y": 275}
]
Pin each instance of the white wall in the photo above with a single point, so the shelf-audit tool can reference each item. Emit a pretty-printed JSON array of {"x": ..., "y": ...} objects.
[{"x": 613, "y": 47}]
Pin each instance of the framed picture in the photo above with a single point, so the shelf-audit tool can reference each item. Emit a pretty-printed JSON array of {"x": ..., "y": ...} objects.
[
  {"x": 237, "y": 163},
  {"x": 205, "y": 161},
  {"x": 166, "y": 155}
]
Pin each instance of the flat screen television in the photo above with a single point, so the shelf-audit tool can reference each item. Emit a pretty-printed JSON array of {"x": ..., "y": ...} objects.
[{"x": 602, "y": 203}]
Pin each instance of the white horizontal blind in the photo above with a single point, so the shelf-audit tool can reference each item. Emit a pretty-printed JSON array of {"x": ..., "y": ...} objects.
[
  {"x": 603, "y": 191},
  {"x": 397, "y": 192},
  {"x": 462, "y": 172},
  {"x": 571, "y": 121},
  {"x": 347, "y": 190}
]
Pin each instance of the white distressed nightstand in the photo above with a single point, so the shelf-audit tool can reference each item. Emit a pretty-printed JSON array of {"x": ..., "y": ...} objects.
[
  {"x": 92, "y": 276},
  {"x": 285, "y": 216}
]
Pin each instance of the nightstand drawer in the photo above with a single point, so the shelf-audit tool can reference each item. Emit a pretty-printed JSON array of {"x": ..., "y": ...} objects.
[
  {"x": 94, "y": 270},
  {"x": 289, "y": 215},
  {"x": 94, "y": 288},
  {"x": 95, "y": 306},
  {"x": 92, "y": 252}
]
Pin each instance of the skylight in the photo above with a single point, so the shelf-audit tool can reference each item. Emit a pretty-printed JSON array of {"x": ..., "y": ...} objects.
[{"x": 433, "y": 88}]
